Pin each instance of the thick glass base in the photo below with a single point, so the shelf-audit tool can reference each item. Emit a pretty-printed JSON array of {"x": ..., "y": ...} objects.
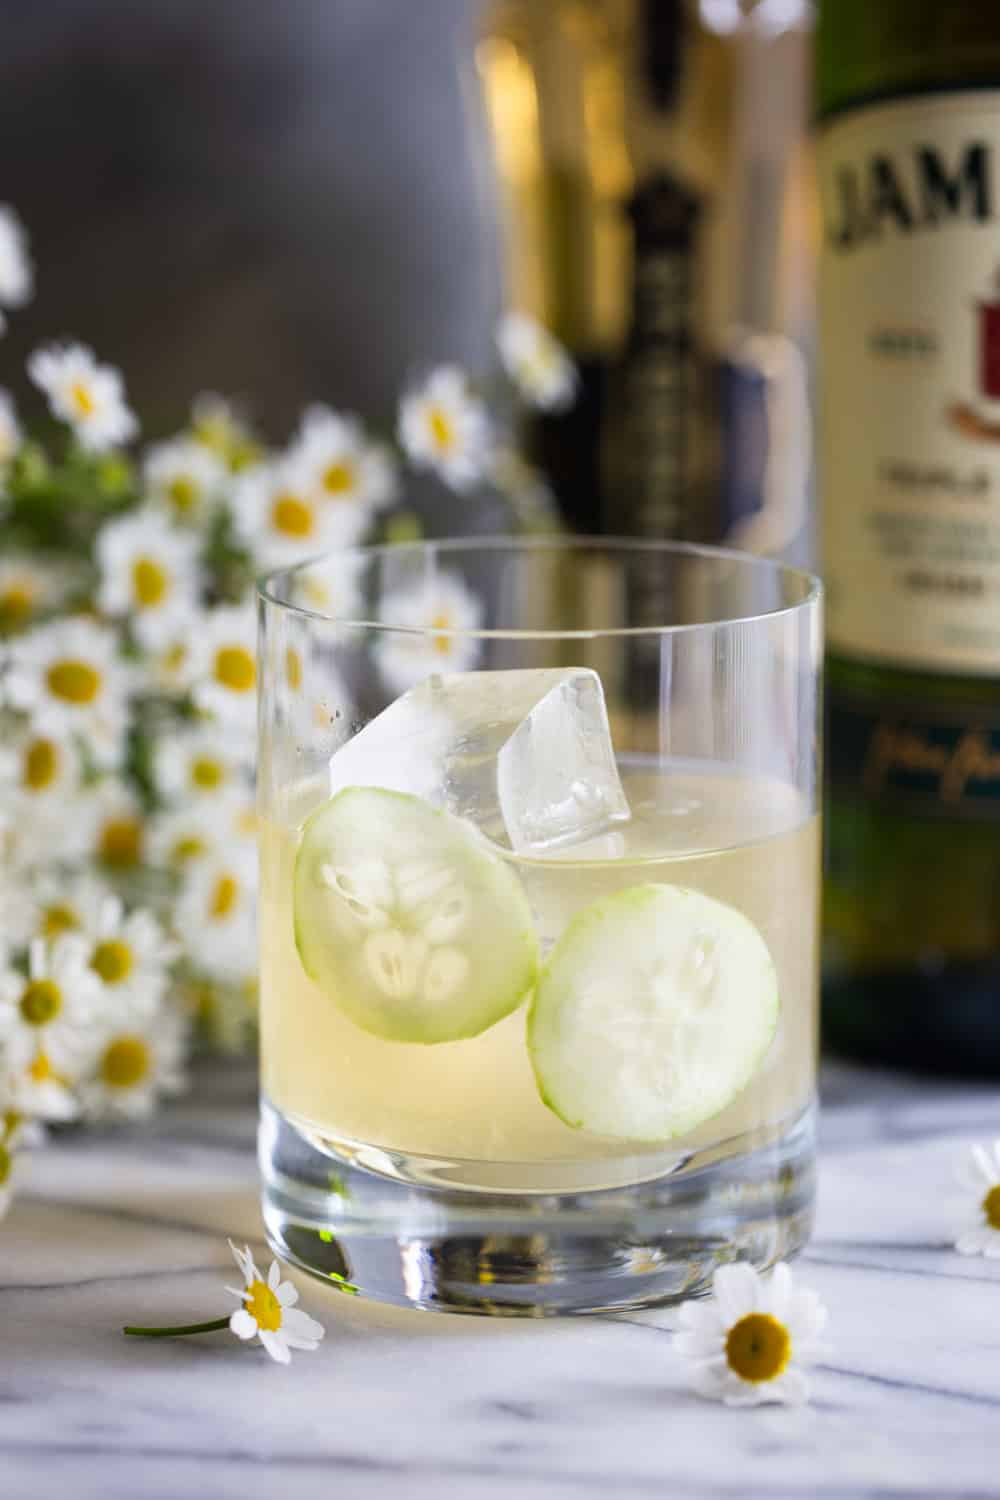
[{"x": 532, "y": 1254}]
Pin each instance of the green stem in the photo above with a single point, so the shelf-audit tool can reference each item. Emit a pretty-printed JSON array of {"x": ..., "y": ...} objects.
[{"x": 169, "y": 1333}]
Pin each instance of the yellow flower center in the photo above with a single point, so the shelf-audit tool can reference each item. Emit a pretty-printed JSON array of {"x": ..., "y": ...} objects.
[
  {"x": 442, "y": 429},
  {"x": 41, "y": 1002},
  {"x": 58, "y": 919},
  {"x": 150, "y": 582},
  {"x": 236, "y": 669},
  {"x": 224, "y": 896},
  {"x": 189, "y": 846},
  {"x": 15, "y": 605},
  {"x": 120, "y": 843},
  {"x": 112, "y": 960},
  {"x": 125, "y": 1062},
  {"x": 441, "y": 644},
  {"x": 338, "y": 479},
  {"x": 292, "y": 516},
  {"x": 73, "y": 680},
  {"x": 263, "y": 1306},
  {"x": 6, "y": 1162},
  {"x": 758, "y": 1347},
  {"x": 293, "y": 669},
  {"x": 991, "y": 1207},
  {"x": 82, "y": 399},
  {"x": 41, "y": 765},
  {"x": 42, "y": 1071},
  {"x": 182, "y": 493},
  {"x": 206, "y": 773}
]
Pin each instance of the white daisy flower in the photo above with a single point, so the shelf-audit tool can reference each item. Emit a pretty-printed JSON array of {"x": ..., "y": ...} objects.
[
  {"x": 183, "y": 836},
  {"x": 17, "y": 278},
  {"x": 216, "y": 912},
  {"x": 434, "y": 612},
  {"x": 68, "y": 676},
  {"x": 116, "y": 822},
  {"x": 357, "y": 476},
  {"x": 220, "y": 426},
  {"x": 443, "y": 427},
  {"x": 39, "y": 778},
  {"x": 52, "y": 904},
  {"x": 170, "y": 669},
  {"x": 747, "y": 1341},
  {"x": 89, "y": 396},
  {"x": 201, "y": 764},
  {"x": 981, "y": 1176},
  {"x": 184, "y": 477},
  {"x": 269, "y": 1312},
  {"x": 27, "y": 586},
  {"x": 140, "y": 1058},
  {"x": 45, "y": 1023},
  {"x": 131, "y": 957},
  {"x": 224, "y": 671},
  {"x": 149, "y": 573},
  {"x": 536, "y": 362},
  {"x": 281, "y": 518},
  {"x": 10, "y": 429},
  {"x": 331, "y": 585}
]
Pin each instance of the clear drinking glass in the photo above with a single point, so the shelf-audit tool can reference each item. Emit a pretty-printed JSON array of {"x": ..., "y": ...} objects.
[{"x": 538, "y": 919}]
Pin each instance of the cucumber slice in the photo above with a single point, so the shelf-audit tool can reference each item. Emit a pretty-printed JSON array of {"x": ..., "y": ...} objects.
[
  {"x": 407, "y": 920},
  {"x": 654, "y": 1010}
]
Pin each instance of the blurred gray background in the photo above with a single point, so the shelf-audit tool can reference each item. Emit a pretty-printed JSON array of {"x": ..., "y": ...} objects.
[{"x": 282, "y": 201}]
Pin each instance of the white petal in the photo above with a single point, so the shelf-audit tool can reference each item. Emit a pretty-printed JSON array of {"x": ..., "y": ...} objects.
[
  {"x": 736, "y": 1290},
  {"x": 708, "y": 1382},
  {"x": 242, "y": 1324},
  {"x": 986, "y": 1164},
  {"x": 701, "y": 1317},
  {"x": 274, "y": 1276},
  {"x": 287, "y": 1294},
  {"x": 697, "y": 1345},
  {"x": 747, "y": 1394},
  {"x": 275, "y": 1346},
  {"x": 791, "y": 1387},
  {"x": 991, "y": 1245},
  {"x": 294, "y": 1342},
  {"x": 301, "y": 1324},
  {"x": 777, "y": 1293},
  {"x": 807, "y": 1315},
  {"x": 972, "y": 1242}
]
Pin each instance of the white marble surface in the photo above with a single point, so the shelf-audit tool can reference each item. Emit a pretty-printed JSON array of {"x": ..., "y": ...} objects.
[{"x": 132, "y": 1226}]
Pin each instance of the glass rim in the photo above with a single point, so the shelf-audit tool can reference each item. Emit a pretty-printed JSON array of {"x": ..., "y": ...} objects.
[{"x": 748, "y": 561}]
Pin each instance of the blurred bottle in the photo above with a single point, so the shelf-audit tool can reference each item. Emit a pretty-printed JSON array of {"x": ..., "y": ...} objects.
[{"x": 656, "y": 185}]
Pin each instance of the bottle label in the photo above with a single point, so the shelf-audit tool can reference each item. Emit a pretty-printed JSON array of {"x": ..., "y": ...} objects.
[
  {"x": 910, "y": 325},
  {"x": 925, "y": 763}
]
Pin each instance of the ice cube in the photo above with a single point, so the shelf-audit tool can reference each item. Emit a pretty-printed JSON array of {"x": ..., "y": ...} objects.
[
  {"x": 557, "y": 781},
  {"x": 527, "y": 756}
]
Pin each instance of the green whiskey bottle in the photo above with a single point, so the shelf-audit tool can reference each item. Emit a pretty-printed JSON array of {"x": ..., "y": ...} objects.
[{"x": 909, "y": 169}]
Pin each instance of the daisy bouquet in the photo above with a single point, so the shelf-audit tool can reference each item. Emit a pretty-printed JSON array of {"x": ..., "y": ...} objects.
[{"x": 128, "y": 692}]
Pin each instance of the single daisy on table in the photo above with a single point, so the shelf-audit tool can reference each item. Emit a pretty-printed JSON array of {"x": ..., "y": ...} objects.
[
  {"x": 200, "y": 763},
  {"x": 27, "y": 586},
  {"x": 536, "y": 362},
  {"x": 429, "y": 619},
  {"x": 216, "y": 912},
  {"x": 224, "y": 668},
  {"x": 16, "y": 273},
  {"x": 281, "y": 517},
  {"x": 139, "y": 1059},
  {"x": 150, "y": 574},
  {"x": 267, "y": 1312},
  {"x": 355, "y": 475},
  {"x": 87, "y": 395},
  {"x": 184, "y": 478},
  {"x": 443, "y": 427},
  {"x": 980, "y": 1174},
  {"x": 68, "y": 676},
  {"x": 747, "y": 1342},
  {"x": 131, "y": 956},
  {"x": 116, "y": 825},
  {"x": 45, "y": 1023},
  {"x": 10, "y": 430}
]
